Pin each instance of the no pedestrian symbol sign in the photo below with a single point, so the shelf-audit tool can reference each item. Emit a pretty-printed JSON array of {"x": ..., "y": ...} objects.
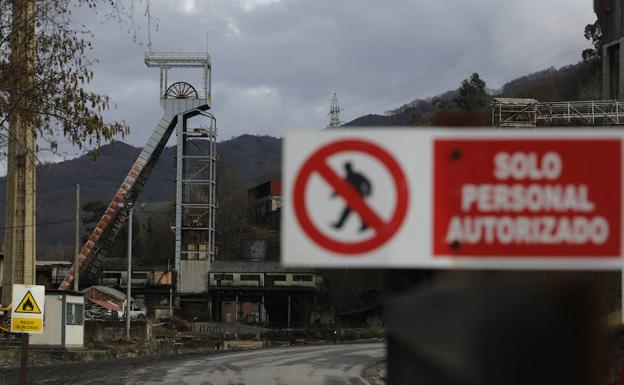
[
  {"x": 453, "y": 198},
  {"x": 353, "y": 187},
  {"x": 27, "y": 314}
]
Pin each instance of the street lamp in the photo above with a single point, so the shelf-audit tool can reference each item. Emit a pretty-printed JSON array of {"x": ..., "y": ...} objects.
[{"x": 129, "y": 285}]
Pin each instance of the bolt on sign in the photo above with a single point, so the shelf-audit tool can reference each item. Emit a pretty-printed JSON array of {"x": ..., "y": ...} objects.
[
  {"x": 27, "y": 314},
  {"x": 453, "y": 198}
]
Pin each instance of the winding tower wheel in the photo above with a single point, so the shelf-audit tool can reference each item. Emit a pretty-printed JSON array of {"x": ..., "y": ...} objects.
[{"x": 181, "y": 90}]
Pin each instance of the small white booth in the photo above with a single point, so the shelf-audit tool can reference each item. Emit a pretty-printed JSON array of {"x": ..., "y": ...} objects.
[{"x": 63, "y": 321}]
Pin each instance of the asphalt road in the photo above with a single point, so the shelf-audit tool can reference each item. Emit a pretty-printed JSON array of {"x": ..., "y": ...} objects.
[{"x": 307, "y": 365}]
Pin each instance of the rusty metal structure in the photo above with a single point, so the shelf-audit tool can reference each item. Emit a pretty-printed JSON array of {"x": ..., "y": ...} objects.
[{"x": 195, "y": 177}]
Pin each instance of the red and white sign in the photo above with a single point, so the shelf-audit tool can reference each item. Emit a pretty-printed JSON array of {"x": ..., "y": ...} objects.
[
  {"x": 525, "y": 198},
  {"x": 453, "y": 198},
  {"x": 382, "y": 229}
]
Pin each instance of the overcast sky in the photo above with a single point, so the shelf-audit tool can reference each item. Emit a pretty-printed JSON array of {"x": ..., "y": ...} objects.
[{"x": 276, "y": 63}]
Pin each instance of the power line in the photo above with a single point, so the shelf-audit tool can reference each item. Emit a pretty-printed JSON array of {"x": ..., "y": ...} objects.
[
  {"x": 481, "y": 54},
  {"x": 37, "y": 224}
]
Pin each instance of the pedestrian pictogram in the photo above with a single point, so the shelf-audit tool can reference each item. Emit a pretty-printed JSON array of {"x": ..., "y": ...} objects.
[
  {"x": 354, "y": 187},
  {"x": 28, "y": 305},
  {"x": 362, "y": 185}
]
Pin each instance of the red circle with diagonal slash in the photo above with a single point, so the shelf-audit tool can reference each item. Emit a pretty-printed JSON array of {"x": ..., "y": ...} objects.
[{"x": 317, "y": 163}]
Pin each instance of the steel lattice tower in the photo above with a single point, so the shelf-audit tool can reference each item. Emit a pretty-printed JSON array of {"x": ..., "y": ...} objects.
[
  {"x": 195, "y": 179},
  {"x": 334, "y": 113}
]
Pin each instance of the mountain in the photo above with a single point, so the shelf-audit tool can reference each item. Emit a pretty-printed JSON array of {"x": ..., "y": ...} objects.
[
  {"x": 249, "y": 159},
  {"x": 580, "y": 81}
]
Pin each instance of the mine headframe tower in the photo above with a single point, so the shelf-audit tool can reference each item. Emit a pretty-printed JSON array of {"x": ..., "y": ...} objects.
[{"x": 195, "y": 178}]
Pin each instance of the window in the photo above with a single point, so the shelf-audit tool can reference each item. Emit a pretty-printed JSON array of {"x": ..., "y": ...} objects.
[
  {"x": 228, "y": 277},
  {"x": 302, "y": 278},
  {"x": 250, "y": 277},
  {"x": 74, "y": 314},
  {"x": 142, "y": 275}
]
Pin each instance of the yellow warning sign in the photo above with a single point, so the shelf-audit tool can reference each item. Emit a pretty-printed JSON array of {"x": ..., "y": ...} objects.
[
  {"x": 28, "y": 305},
  {"x": 26, "y": 325},
  {"x": 27, "y": 316}
]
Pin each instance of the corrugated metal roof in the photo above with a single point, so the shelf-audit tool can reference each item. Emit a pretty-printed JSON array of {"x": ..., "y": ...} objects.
[
  {"x": 109, "y": 291},
  {"x": 106, "y": 304}
]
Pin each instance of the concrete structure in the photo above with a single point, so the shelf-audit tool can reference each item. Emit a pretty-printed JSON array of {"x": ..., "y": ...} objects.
[
  {"x": 610, "y": 15},
  {"x": 20, "y": 202},
  {"x": 63, "y": 321},
  {"x": 262, "y": 293}
]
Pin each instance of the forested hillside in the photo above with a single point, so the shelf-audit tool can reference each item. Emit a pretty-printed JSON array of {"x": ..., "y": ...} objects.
[
  {"x": 579, "y": 81},
  {"x": 244, "y": 161}
]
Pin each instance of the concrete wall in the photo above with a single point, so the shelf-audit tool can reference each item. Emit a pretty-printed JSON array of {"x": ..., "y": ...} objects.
[
  {"x": 52, "y": 323},
  {"x": 613, "y": 70},
  {"x": 193, "y": 276},
  {"x": 107, "y": 331}
]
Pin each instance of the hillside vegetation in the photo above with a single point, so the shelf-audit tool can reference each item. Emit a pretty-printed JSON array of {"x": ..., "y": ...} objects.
[
  {"x": 245, "y": 161},
  {"x": 579, "y": 81}
]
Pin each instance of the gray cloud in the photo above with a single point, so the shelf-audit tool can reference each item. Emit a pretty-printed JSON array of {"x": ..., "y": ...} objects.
[{"x": 276, "y": 63}]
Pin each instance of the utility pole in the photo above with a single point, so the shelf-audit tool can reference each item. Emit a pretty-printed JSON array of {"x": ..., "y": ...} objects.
[
  {"x": 77, "y": 237},
  {"x": 19, "y": 235},
  {"x": 289, "y": 311},
  {"x": 170, "y": 288},
  {"x": 129, "y": 287}
]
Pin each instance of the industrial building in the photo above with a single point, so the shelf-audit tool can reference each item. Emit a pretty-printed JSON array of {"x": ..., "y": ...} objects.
[
  {"x": 262, "y": 292},
  {"x": 249, "y": 286},
  {"x": 610, "y": 15}
]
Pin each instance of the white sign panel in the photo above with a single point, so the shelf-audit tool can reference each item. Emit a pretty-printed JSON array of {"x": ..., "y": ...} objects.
[
  {"x": 453, "y": 198},
  {"x": 28, "y": 309}
]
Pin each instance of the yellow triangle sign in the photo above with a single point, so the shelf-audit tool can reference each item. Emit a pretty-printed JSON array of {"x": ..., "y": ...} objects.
[{"x": 28, "y": 305}]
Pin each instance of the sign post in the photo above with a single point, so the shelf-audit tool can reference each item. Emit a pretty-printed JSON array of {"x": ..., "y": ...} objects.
[
  {"x": 448, "y": 198},
  {"x": 26, "y": 318}
]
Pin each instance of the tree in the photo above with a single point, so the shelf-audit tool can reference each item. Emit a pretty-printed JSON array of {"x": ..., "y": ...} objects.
[
  {"x": 593, "y": 33},
  {"x": 231, "y": 218},
  {"x": 55, "y": 99},
  {"x": 472, "y": 95}
]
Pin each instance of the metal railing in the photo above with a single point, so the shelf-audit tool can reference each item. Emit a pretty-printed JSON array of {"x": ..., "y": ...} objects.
[
  {"x": 508, "y": 113},
  {"x": 177, "y": 59}
]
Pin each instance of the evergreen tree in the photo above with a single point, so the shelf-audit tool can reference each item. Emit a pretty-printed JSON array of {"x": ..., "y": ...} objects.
[{"x": 471, "y": 95}]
